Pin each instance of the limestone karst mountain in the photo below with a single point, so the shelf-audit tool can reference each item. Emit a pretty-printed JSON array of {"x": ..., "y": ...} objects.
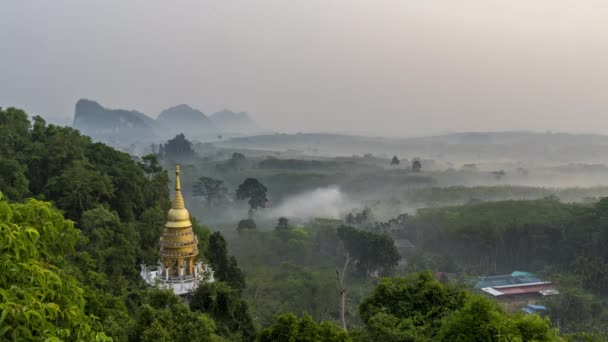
[
  {"x": 229, "y": 121},
  {"x": 118, "y": 126},
  {"x": 182, "y": 114},
  {"x": 185, "y": 119},
  {"x": 111, "y": 125}
]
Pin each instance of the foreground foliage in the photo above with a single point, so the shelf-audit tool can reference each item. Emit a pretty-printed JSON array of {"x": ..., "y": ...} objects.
[
  {"x": 289, "y": 328},
  {"x": 40, "y": 300}
]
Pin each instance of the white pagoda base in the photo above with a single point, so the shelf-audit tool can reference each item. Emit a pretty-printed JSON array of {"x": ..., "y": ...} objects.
[{"x": 158, "y": 276}]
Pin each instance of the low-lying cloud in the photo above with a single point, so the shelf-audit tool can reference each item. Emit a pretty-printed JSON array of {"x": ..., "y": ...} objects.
[{"x": 327, "y": 202}]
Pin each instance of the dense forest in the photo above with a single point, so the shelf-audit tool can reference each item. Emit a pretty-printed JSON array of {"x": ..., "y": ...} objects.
[{"x": 78, "y": 218}]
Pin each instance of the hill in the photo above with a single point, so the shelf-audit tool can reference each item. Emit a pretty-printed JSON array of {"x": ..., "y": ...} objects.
[
  {"x": 122, "y": 127},
  {"x": 112, "y": 125},
  {"x": 185, "y": 119},
  {"x": 231, "y": 122}
]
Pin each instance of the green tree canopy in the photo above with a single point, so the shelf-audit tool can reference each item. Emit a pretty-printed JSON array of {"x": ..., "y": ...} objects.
[
  {"x": 163, "y": 317},
  {"x": 112, "y": 244},
  {"x": 416, "y": 165},
  {"x": 79, "y": 188},
  {"x": 283, "y": 228},
  {"x": 245, "y": 225},
  {"x": 420, "y": 308},
  {"x": 178, "y": 147},
  {"x": 289, "y": 328},
  {"x": 255, "y": 191},
  {"x": 40, "y": 300},
  {"x": 224, "y": 305},
  {"x": 483, "y": 320},
  {"x": 212, "y": 190},
  {"x": 408, "y": 309},
  {"x": 225, "y": 268},
  {"x": 370, "y": 251},
  {"x": 237, "y": 160}
]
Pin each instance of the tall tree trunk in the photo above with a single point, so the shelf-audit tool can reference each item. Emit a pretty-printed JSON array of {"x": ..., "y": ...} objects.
[{"x": 342, "y": 291}]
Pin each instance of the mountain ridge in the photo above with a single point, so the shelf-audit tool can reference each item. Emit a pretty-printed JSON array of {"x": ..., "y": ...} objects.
[
  {"x": 234, "y": 122},
  {"x": 119, "y": 125}
]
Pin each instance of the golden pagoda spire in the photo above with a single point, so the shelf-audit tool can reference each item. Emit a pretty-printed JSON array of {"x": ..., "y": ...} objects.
[
  {"x": 178, "y": 200},
  {"x": 178, "y": 244},
  {"x": 178, "y": 215}
]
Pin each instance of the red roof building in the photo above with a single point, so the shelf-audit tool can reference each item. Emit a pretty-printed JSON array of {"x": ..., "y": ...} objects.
[{"x": 521, "y": 293}]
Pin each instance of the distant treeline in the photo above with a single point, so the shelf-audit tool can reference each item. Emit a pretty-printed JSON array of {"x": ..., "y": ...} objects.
[
  {"x": 499, "y": 237},
  {"x": 465, "y": 194},
  {"x": 296, "y": 164}
]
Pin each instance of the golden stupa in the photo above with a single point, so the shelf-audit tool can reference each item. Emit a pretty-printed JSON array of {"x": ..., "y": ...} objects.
[
  {"x": 177, "y": 268},
  {"x": 178, "y": 244}
]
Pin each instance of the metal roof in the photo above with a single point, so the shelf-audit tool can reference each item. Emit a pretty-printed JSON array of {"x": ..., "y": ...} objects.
[
  {"x": 544, "y": 288},
  {"x": 516, "y": 278}
]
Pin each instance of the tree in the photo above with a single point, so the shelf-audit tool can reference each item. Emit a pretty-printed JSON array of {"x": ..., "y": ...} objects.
[
  {"x": 224, "y": 305},
  {"x": 416, "y": 165},
  {"x": 499, "y": 174},
  {"x": 178, "y": 147},
  {"x": 255, "y": 191},
  {"x": 395, "y": 161},
  {"x": 289, "y": 328},
  {"x": 12, "y": 179},
  {"x": 409, "y": 309},
  {"x": 139, "y": 190},
  {"x": 112, "y": 244},
  {"x": 371, "y": 252},
  {"x": 593, "y": 272},
  {"x": 363, "y": 219},
  {"x": 225, "y": 268},
  {"x": 245, "y": 225},
  {"x": 40, "y": 299},
  {"x": 149, "y": 163},
  {"x": 236, "y": 161},
  {"x": 575, "y": 310},
  {"x": 79, "y": 188},
  {"x": 210, "y": 189},
  {"x": 483, "y": 320},
  {"x": 150, "y": 226},
  {"x": 164, "y": 317},
  {"x": 283, "y": 228},
  {"x": 420, "y": 308},
  {"x": 340, "y": 276}
]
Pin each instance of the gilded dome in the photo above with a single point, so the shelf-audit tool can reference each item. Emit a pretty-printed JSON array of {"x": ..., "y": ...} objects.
[{"x": 178, "y": 215}]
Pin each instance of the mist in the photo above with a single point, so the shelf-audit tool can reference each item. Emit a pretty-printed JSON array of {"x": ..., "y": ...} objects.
[{"x": 327, "y": 202}]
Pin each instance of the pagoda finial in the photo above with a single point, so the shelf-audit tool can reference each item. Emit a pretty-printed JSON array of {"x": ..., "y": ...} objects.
[
  {"x": 177, "y": 185},
  {"x": 178, "y": 200}
]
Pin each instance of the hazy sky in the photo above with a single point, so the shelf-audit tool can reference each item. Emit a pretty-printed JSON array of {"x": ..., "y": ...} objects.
[{"x": 397, "y": 67}]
